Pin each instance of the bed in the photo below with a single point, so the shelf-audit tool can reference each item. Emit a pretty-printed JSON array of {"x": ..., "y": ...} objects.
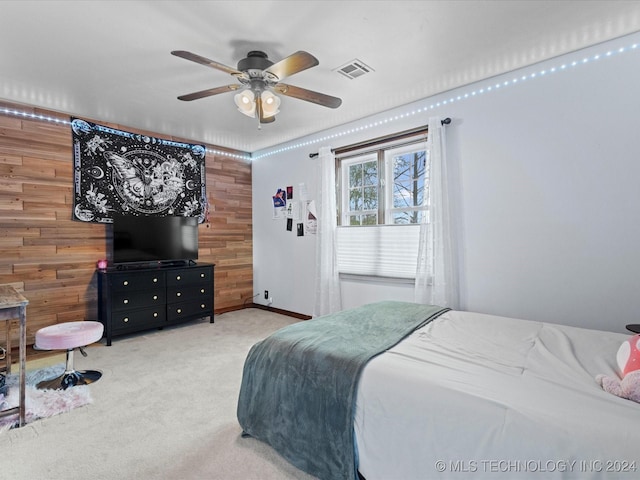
[{"x": 395, "y": 390}]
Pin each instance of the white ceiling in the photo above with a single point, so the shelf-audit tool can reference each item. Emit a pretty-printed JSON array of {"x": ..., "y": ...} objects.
[{"x": 110, "y": 60}]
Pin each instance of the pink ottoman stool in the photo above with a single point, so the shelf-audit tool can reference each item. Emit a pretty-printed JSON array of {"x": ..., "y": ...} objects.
[{"x": 69, "y": 336}]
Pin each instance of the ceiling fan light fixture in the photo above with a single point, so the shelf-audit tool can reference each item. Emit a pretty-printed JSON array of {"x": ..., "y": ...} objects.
[
  {"x": 270, "y": 104},
  {"x": 259, "y": 76},
  {"x": 245, "y": 101}
]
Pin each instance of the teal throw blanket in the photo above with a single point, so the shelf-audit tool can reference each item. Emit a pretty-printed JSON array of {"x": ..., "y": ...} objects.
[{"x": 299, "y": 384}]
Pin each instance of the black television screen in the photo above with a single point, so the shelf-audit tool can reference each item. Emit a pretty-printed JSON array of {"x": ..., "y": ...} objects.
[{"x": 139, "y": 239}]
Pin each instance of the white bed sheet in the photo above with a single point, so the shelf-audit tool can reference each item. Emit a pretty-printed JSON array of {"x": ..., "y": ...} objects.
[{"x": 480, "y": 396}]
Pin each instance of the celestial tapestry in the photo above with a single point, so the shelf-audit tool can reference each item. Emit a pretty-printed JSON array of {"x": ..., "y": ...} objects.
[{"x": 117, "y": 172}]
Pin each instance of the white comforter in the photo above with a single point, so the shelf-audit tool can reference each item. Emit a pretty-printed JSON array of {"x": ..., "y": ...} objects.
[{"x": 477, "y": 396}]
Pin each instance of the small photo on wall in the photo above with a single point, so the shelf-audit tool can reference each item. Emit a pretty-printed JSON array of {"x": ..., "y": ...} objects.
[{"x": 280, "y": 204}]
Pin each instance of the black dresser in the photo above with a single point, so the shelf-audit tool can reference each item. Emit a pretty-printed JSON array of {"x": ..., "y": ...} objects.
[{"x": 134, "y": 299}]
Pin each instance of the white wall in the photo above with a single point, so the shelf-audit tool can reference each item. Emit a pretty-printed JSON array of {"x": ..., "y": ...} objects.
[{"x": 545, "y": 177}]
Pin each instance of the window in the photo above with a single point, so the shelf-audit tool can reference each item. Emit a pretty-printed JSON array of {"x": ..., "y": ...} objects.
[
  {"x": 384, "y": 187},
  {"x": 381, "y": 204},
  {"x": 407, "y": 176},
  {"x": 361, "y": 190}
]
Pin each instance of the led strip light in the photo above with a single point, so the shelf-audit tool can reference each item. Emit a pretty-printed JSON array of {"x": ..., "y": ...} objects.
[
  {"x": 457, "y": 98},
  {"x": 463, "y": 96},
  {"x": 61, "y": 121}
]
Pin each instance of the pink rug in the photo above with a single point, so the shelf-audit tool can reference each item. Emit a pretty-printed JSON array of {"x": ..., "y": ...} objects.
[{"x": 42, "y": 403}]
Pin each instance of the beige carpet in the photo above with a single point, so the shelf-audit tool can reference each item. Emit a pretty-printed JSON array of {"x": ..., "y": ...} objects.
[{"x": 165, "y": 408}]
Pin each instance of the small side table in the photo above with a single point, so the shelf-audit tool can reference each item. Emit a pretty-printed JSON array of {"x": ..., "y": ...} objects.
[
  {"x": 13, "y": 305},
  {"x": 634, "y": 327}
]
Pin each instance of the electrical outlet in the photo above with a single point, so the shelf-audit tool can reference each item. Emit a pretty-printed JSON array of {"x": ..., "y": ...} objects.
[
  {"x": 266, "y": 294},
  {"x": 270, "y": 301}
]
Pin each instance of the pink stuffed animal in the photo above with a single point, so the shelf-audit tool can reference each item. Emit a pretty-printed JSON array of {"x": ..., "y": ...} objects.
[{"x": 628, "y": 359}]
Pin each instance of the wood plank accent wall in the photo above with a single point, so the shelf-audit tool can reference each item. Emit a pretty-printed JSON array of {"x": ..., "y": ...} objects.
[{"x": 51, "y": 259}]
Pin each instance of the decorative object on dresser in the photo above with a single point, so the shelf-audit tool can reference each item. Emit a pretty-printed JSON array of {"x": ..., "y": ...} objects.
[{"x": 142, "y": 298}]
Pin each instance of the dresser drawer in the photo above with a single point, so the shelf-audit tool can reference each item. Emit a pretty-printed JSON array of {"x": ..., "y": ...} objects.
[
  {"x": 189, "y": 292},
  {"x": 138, "y": 281},
  {"x": 178, "y": 311},
  {"x": 122, "y": 300},
  {"x": 132, "y": 320},
  {"x": 190, "y": 276}
]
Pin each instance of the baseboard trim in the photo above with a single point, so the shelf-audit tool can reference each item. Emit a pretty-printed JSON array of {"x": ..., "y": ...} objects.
[{"x": 288, "y": 313}]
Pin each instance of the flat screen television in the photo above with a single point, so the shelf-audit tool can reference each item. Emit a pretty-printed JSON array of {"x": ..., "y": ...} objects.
[{"x": 149, "y": 239}]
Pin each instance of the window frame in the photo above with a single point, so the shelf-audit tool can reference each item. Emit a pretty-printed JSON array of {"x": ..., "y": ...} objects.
[{"x": 401, "y": 141}]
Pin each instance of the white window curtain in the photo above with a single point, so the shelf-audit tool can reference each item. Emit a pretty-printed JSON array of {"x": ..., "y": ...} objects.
[
  {"x": 436, "y": 279},
  {"x": 327, "y": 283}
]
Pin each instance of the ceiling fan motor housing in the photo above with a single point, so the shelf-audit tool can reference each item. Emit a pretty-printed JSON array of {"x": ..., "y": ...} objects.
[{"x": 256, "y": 60}]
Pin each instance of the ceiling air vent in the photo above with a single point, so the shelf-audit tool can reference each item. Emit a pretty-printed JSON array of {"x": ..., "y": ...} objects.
[{"x": 354, "y": 69}]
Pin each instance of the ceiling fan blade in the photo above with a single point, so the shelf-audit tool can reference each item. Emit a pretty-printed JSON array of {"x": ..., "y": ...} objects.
[
  {"x": 308, "y": 95},
  {"x": 209, "y": 92},
  {"x": 205, "y": 61},
  {"x": 260, "y": 110},
  {"x": 294, "y": 63}
]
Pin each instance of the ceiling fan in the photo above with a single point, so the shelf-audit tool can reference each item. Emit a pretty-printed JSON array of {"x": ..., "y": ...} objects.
[{"x": 258, "y": 79}]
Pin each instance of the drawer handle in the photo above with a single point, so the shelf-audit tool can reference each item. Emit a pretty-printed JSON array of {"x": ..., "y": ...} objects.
[
  {"x": 178, "y": 294},
  {"x": 202, "y": 275},
  {"x": 125, "y": 301},
  {"x": 179, "y": 310},
  {"x": 178, "y": 277},
  {"x": 202, "y": 290},
  {"x": 155, "y": 314},
  {"x": 155, "y": 280},
  {"x": 125, "y": 283},
  {"x": 203, "y": 306},
  {"x": 155, "y": 297},
  {"x": 126, "y": 319}
]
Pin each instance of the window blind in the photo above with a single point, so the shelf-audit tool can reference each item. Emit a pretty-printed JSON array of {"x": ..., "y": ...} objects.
[{"x": 378, "y": 250}]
